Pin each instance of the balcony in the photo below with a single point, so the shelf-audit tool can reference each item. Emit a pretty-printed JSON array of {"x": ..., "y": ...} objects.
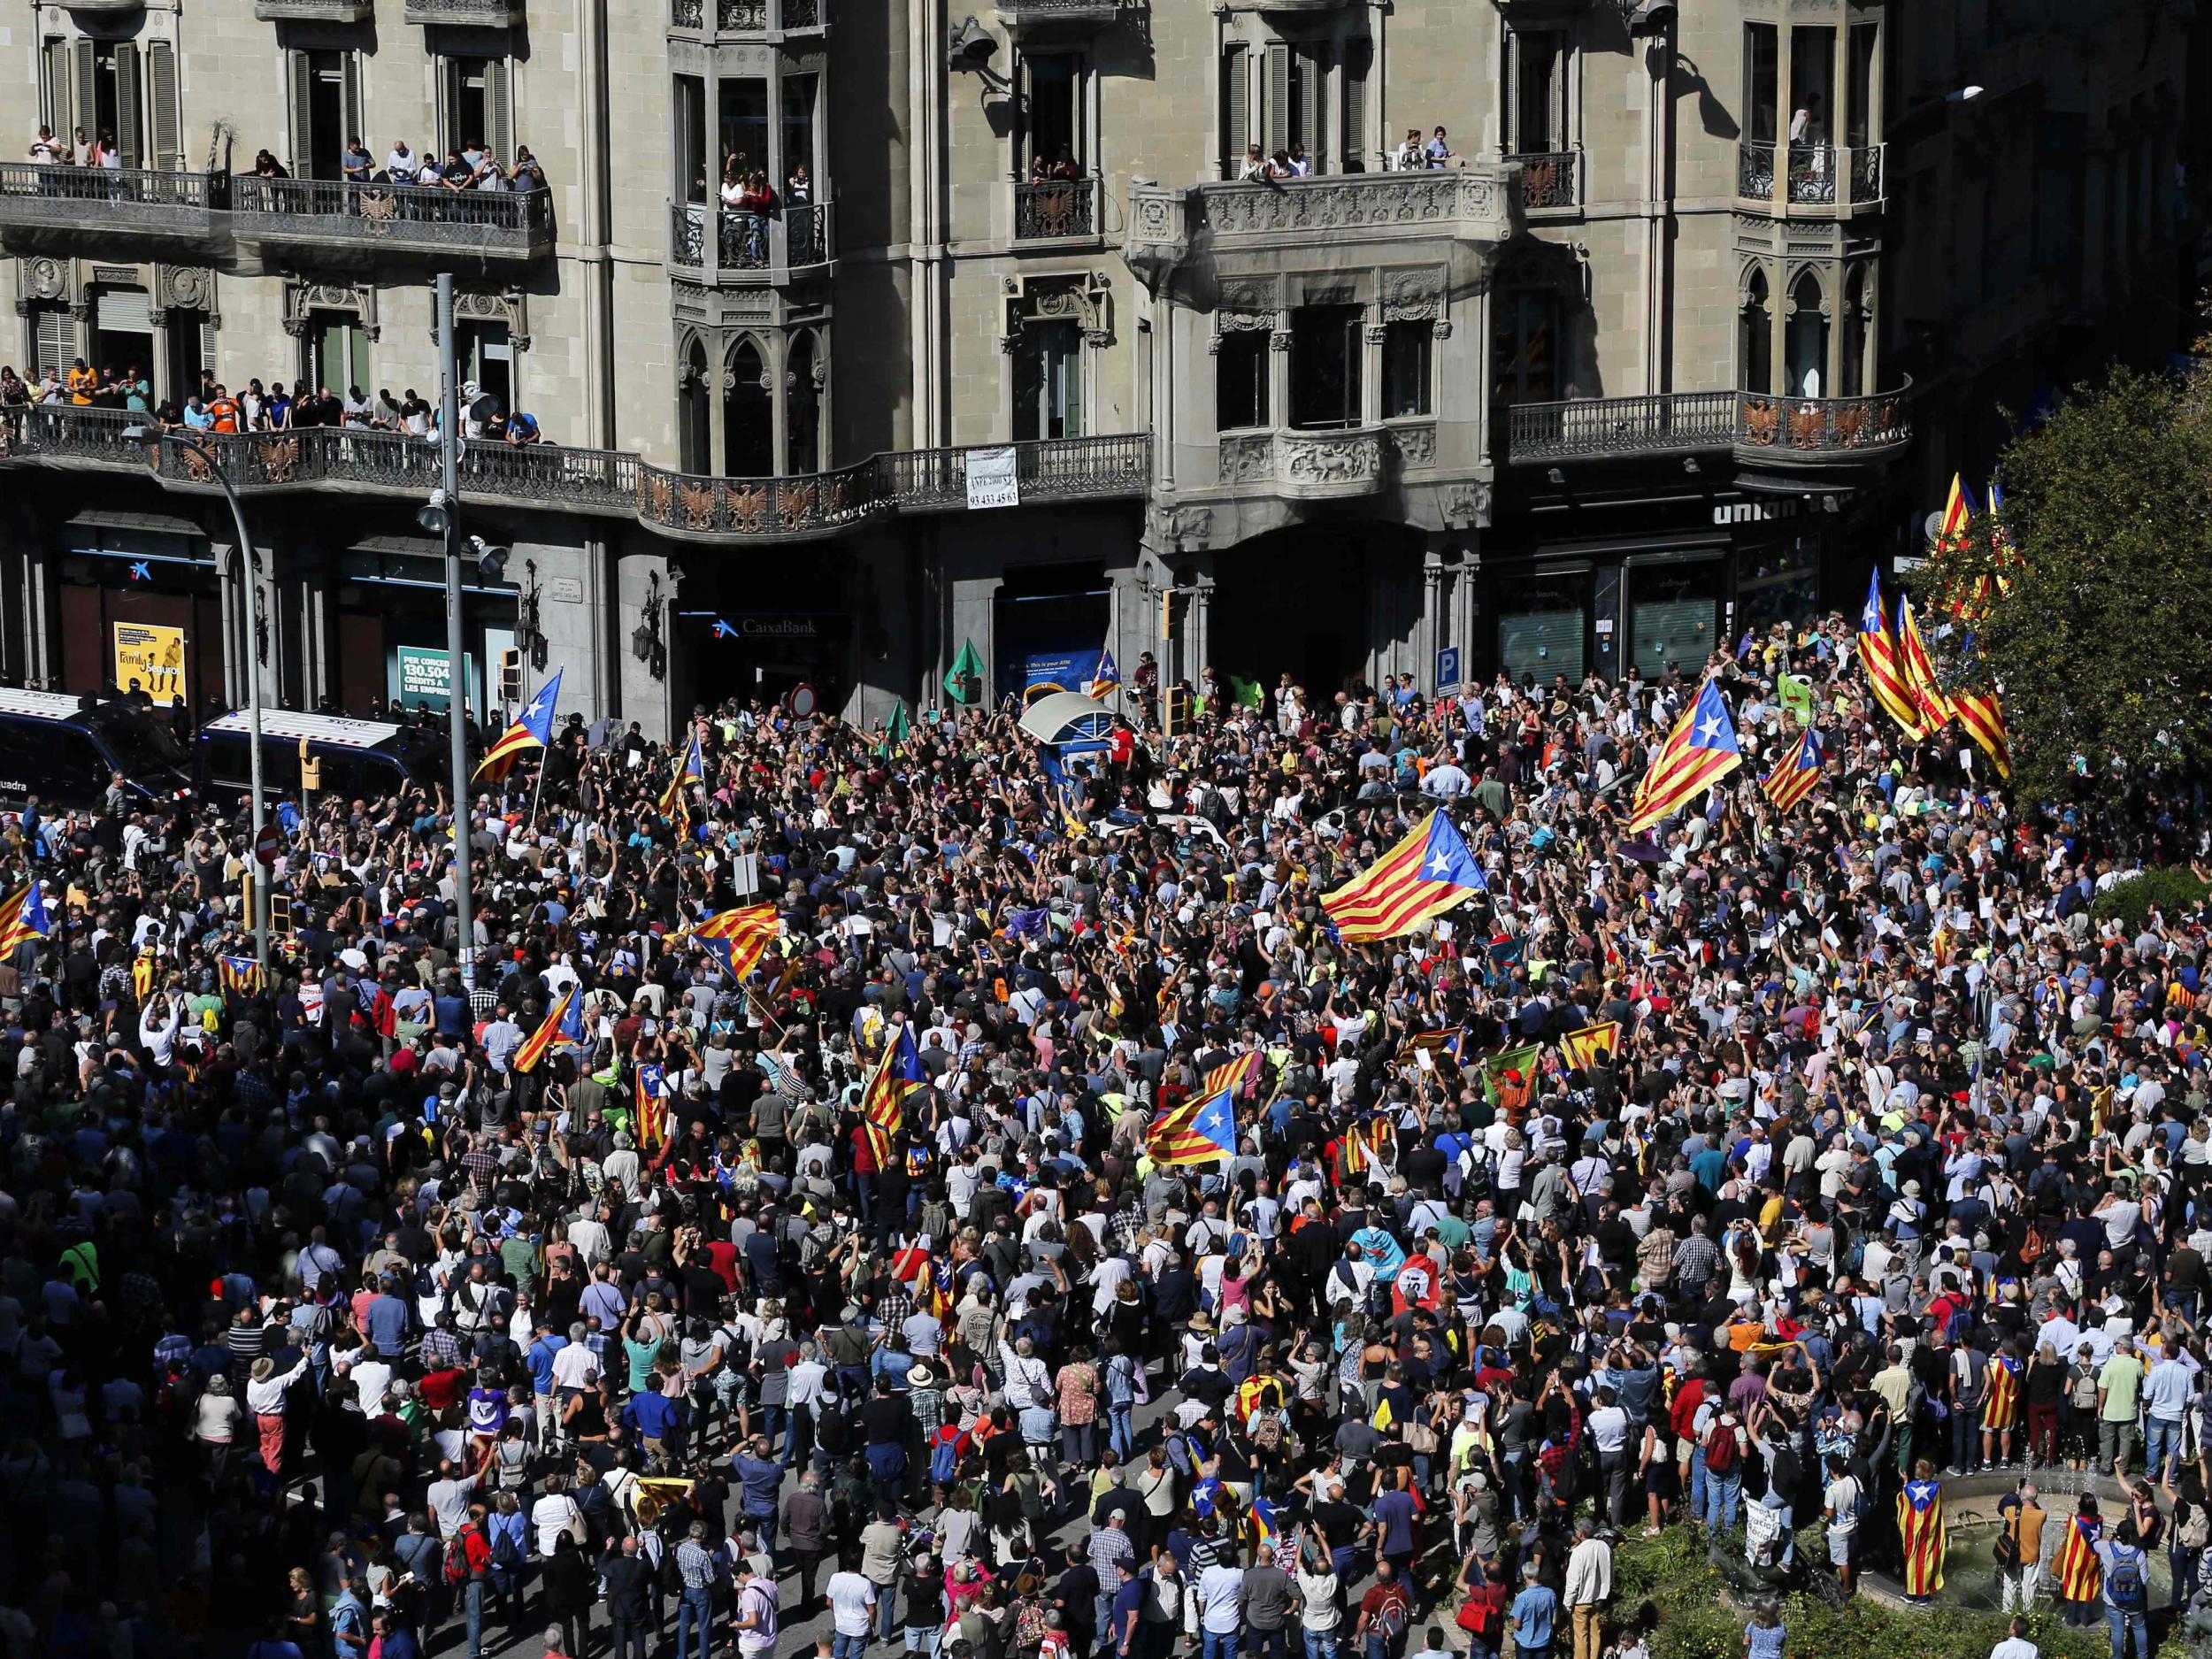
[
  {"x": 603, "y": 482},
  {"x": 1247, "y": 228},
  {"x": 1551, "y": 183},
  {"x": 720, "y": 246},
  {"x": 1768, "y": 434},
  {"x": 1612, "y": 428},
  {"x": 467, "y": 14},
  {"x": 43, "y": 206},
  {"x": 314, "y": 10},
  {"x": 1052, "y": 210},
  {"x": 1810, "y": 180},
  {"x": 329, "y": 219},
  {"x": 748, "y": 20},
  {"x": 105, "y": 8}
]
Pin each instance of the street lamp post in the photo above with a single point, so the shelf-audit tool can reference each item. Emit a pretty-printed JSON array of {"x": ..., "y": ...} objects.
[{"x": 257, "y": 894}]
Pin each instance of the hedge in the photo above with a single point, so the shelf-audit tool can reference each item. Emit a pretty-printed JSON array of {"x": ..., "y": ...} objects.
[
  {"x": 1667, "y": 1584},
  {"x": 2171, "y": 892}
]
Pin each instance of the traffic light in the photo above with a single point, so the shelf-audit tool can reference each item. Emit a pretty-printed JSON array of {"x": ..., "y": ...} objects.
[
  {"x": 510, "y": 676},
  {"x": 1178, "y": 711}
]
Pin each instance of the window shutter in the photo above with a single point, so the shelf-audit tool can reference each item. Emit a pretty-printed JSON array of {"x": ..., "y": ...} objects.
[
  {"x": 129, "y": 119},
  {"x": 1312, "y": 76},
  {"x": 1359, "y": 57},
  {"x": 207, "y": 345},
  {"x": 125, "y": 310},
  {"x": 302, "y": 100},
  {"x": 161, "y": 73},
  {"x": 1236, "y": 108},
  {"x": 85, "y": 96},
  {"x": 1278, "y": 97},
  {"x": 350, "y": 82},
  {"x": 55, "y": 341},
  {"x": 499, "y": 109},
  {"x": 58, "y": 103}
]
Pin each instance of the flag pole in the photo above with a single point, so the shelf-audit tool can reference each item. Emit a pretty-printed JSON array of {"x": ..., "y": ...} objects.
[{"x": 537, "y": 790}]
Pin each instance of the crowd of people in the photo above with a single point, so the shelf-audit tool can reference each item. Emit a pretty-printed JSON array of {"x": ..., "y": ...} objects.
[{"x": 1755, "y": 1176}]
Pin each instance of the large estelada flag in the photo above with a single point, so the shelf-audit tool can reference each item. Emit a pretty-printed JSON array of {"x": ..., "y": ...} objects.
[
  {"x": 1885, "y": 668},
  {"x": 533, "y": 729},
  {"x": 1580, "y": 1049},
  {"x": 746, "y": 932},
  {"x": 1795, "y": 774},
  {"x": 23, "y": 917},
  {"x": 898, "y": 1074},
  {"x": 1424, "y": 875},
  {"x": 1696, "y": 755},
  {"x": 1202, "y": 1131}
]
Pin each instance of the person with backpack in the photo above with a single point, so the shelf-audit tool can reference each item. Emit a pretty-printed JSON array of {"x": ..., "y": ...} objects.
[
  {"x": 467, "y": 1573},
  {"x": 1724, "y": 1447},
  {"x": 2126, "y": 1591}
]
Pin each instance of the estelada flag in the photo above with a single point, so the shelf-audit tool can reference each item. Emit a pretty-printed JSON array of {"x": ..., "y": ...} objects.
[
  {"x": 1696, "y": 755},
  {"x": 539, "y": 1042},
  {"x": 1425, "y": 874}
]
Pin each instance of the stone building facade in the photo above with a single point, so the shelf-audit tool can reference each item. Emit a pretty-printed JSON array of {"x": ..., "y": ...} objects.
[{"x": 1686, "y": 329}]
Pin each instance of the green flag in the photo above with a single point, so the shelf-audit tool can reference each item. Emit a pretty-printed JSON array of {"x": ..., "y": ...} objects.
[
  {"x": 1250, "y": 692},
  {"x": 963, "y": 680},
  {"x": 1796, "y": 692},
  {"x": 897, "y": 732},
  {"x": 1496, "y": 1066}
]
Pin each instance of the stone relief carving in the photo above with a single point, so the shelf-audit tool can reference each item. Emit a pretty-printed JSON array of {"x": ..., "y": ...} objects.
[
  {"x": 1174, "y": 527},
  {"x": 1467, "y": 507}
]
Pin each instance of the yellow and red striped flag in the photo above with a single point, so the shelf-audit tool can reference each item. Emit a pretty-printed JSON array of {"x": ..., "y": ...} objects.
[
  {"x": 1885, "y": 672},
  {"x": 23, "y": 917},
  {"x": 1424, "y": 875},
  {"x": 1927, "y": 691},
  {"x": 535, "y": 1047},
  {"x": 1983, "y": 715},
  {"x": 1696, "y": 755},
  {"x": 1792, "y": 779},
  {"x": 1580, "y": 1049}
]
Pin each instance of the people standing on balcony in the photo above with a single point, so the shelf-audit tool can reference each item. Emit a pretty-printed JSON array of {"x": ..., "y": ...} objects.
[
  {"x": 527, "y": 175},
  {"x": 798, "y": 190},
  {"x": 80, "y": 149},
  {"x": 81, "y": 382},
  {"x": 267, "y": 166},
  {"x": 1408, "y": 157},
  {"x": 1437, "y": 152},
  {"x": 400, "y": 166},
  {"x": 356, "y": 163},
  {"x": 45, "y": 150},
  {"x": 1301, "y": 164},
  {"x": 1253, "y": 166}
]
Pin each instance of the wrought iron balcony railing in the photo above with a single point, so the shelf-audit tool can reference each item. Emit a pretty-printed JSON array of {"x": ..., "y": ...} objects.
[
  {"x": 603, "y": 481},
  {"x": 110, "y": 200},
  {"x": 332, "y": 214},
  {"x": 747, "y": 16},
  {"x": 1688, "y": 423},
  {"x": 1550, "y": 181},
  {"x": 497, "y": 15},
  {"x": 1811, "y": 175},
  {"x": 719, "y": 242},
  {"x": 1048, "y": 208}
]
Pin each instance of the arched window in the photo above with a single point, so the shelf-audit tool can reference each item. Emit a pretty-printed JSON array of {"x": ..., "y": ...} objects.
[
  {"x": 1857, "y": 320},
  {"x": 748, "y": 419},
  {"x": 803, "y": 405},
  {"x": 1754, "y": 350},
  {"x": 1806, "y": 340},
  {"x": 694, "y": 415}
]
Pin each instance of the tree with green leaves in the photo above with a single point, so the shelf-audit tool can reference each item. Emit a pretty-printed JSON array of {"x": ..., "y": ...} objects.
[{"x": 2091, "y": 604}]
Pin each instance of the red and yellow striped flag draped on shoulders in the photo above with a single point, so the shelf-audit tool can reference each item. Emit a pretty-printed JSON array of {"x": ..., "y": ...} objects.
[
  {"x": 1920, "y": 1536},
  {"x": 548, "y": 1032}
]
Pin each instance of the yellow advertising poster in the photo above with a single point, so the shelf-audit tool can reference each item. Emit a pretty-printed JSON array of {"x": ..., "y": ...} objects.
[{"x": 149, "y": 657}]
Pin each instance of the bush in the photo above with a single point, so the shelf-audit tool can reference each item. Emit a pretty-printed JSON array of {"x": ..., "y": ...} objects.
[
  {"x": 1666, "y": 1582},
  {"x": 2172, "y": 893}
]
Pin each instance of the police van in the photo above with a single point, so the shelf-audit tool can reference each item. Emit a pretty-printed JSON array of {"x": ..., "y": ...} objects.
[
  {"x": 357, "y": 759},
  {"x": 64, "y": 749}
]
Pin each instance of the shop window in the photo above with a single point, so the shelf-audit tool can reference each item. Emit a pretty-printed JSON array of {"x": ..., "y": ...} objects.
[
  {"x": 1405, "y": 369},
  {"x": 1240, "y": 379},
  {"x": 1778, "y": 583},
  {"x": 1326, "y": 352},
  {"x": 1542, "y": 626},
  {"x": 1673, "y": 617}
]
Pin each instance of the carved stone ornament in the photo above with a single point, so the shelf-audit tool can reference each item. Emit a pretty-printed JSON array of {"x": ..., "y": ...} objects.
[
  {"x": 1081, "y": 298},
  {"x": 1467, "y": 507},
  {"x": 1417, "y": 445},
  {"x": 41, "y": 279},
  {"x": 303, "y": 297},
  {"x": 184, "y": 287},
  {"x": 1177, "y": 526},
  {"x": 1412, "y": 296},
  {"x": 1247, "y": 458},
  {"x": 1158, "y": 239},
  {"x": 1350, "y": 458}
]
